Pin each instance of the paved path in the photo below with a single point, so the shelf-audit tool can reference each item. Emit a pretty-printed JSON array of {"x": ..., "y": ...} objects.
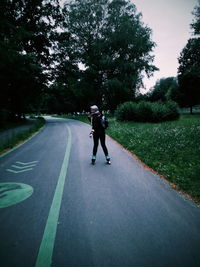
[{"x": 59, "y": 210}]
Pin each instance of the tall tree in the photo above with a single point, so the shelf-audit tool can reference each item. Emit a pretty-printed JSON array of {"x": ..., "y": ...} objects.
[
  {"x": 128, "y": 50},
  {"x": 113, "y": 45},
  {"x": 81, "y": 43},
  {"x": 28, "y": 29},
  {"x": 174, "y": 93},
  {"x": 189, "y": 73},
  {"x": 196, "y": 23},
  {"x": 161, "y": 88},
  {"x": 189, "y": 66}
]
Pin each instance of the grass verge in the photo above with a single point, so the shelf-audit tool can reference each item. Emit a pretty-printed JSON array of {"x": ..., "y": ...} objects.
[
  {"x": 21, "y": 136},
  {"x": 170, "y": 148},
  {"x": 10, "y": 125}
]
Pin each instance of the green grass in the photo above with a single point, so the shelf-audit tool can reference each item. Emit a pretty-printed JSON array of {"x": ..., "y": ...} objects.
[
  {"x": 9, "y": 125},
  {"x": 21, "y": 136},
  {"x": 170, "y": 148}
]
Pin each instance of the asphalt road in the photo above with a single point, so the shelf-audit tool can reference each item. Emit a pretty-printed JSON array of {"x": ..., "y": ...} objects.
[{"x": 56, "y": 209}]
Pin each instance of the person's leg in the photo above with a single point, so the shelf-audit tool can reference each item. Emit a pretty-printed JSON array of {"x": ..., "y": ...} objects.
[
  {"x": 96, "y": 143},
  {"x": 103, "y": 139}
]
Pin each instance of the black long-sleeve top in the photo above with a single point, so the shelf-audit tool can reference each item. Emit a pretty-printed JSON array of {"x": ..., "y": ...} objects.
[{"x": 95, "y": 120}]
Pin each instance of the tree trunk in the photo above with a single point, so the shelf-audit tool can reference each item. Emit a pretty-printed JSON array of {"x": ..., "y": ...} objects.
[{"x": 191, "y": 110}]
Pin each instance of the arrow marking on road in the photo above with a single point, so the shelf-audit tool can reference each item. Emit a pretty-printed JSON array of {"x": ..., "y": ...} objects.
[
  {"x": 24, "y": 167},
  {"x": 44, "y": 257},
  {"x": 26, "y": 163},
  {"x": 13, "y": 171}
]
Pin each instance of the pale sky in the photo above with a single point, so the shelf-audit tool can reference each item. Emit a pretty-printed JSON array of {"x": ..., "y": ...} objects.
[{"x": 170, "y": 22}]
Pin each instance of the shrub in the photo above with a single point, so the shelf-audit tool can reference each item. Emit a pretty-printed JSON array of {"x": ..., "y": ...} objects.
[
  {"x": 144, "y": 111},
  {"x": 147, "y": 112},
  {"x": 126, "y": 111},
  {"x": 172, "y": 110},
  {"x": 159, "y": 112}
]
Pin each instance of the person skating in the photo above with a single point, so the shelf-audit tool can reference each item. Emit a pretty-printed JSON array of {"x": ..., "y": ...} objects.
[{"x": 98, "y": 123}]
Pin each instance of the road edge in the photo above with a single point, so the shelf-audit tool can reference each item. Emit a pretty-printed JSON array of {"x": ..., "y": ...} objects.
[
  {"x": 146, "y": 167},
  {"x": 22, "y": 142}
]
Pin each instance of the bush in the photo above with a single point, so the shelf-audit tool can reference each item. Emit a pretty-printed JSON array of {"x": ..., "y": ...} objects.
[
  {"x": 159, "y": 112},
  {"x": 144, "y": 111},
  {"x": 172, "y": 110},
  {"x": 126, "y": 111},
  {"x": 147, "y": 112}
]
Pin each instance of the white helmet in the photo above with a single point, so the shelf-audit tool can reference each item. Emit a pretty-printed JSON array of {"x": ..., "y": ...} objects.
[{"x": 94, "y": 107}]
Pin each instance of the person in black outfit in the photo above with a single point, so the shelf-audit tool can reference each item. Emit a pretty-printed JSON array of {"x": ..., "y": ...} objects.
[{"x": 98, "y": 132}]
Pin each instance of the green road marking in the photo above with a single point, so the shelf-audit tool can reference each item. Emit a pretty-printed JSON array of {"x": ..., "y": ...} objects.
[
  {"x": 13, "y": 171},
  {"x": 13, "y": 193},
  {"x": 23, "y": 167},
  {"x": 46, "y": 247},
  {"x": 26, "y": 166},
  {"x": 26, "y": 163}
]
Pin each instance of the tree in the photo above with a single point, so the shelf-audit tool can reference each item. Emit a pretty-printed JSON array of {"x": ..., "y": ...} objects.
[
  {"x": 189, "y": 73},
  {"x": 161, "y": 88},
  {"x": 113, "y": 45},
  {"x": 127, "y": 52},
  {"x": 189, "y": 67},
  {"x": 196, "y": 23},
  {"x": 174, "y": 93},
  {"x": 27, "y": 32}
]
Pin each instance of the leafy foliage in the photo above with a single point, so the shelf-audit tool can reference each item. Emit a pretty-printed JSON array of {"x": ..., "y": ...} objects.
[
  {"x": 112, "y": 44},
  {"x": 189, "y": 73},
  {"x": 161, "y": 88},
  {"x": 189, "y": 67},
  {"x": 196, "y": 23},
  {"x": 147, "y": 112},
  {"x": 42, "y": 48},
  {"x": 26, "y": 36}
]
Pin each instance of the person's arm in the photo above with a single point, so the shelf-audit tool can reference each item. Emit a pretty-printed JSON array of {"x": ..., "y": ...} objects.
[
  {"x": 89, "y": 118},
  {"x": 91, "y": 121},
  {"x": 91, "y": 133}
]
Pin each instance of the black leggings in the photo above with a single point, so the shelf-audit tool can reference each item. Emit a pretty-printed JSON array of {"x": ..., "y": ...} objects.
[{"x": 102, "y": 137}]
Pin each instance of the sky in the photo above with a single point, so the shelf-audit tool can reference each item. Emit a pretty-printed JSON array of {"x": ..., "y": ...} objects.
[{"x": 170, "y": 22}]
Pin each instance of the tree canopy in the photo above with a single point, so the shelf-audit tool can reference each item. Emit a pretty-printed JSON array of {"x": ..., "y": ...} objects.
[
  {"x": 189, "y": 66},
  {"x": 196, "y": 23},
  {"x": 161, "y": 88},
  {"x": 27, "y": 30},
  {"x": 112, "y": 44},
  {"x": 42, "y": 47}
]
